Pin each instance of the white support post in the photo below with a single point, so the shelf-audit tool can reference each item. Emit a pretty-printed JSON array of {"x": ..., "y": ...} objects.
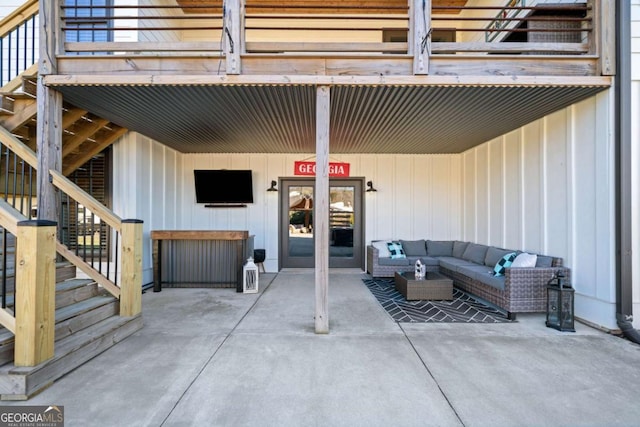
[
  {"x": 233, "y": 35},
  {"x": 321, "y": 210},
  {"x": 419, "y": 33}
]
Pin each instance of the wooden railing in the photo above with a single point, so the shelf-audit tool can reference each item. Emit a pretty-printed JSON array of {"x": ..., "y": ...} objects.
[
  {"x": 419, "y": 29},
  {"x": 124, "y": 281},
  {"x": 18, "y": 41}
]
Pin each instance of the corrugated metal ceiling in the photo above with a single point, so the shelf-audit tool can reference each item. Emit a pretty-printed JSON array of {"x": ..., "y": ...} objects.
[{"x": 364, "y": 119}]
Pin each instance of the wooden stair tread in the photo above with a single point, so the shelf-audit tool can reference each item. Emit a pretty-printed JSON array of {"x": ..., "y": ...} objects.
[
  {"x": 70, "y": 284},
  {"x": 78, "y": 308},
  {"x": 19, "y": 383},
  {"x": 65, "y": 313}
]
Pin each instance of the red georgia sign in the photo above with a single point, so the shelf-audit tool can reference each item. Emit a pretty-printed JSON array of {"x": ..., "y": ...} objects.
[{"x": 309, "y": 169}]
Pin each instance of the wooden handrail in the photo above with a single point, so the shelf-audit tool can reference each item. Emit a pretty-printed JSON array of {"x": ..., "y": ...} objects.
[
  {"x": 10, "y": 217},
  {"x": 87, "y": 269},
  {"x": 21, "y": 150},
  {"x": 65, "y": 184},
  {"x": 16, "y": 82},
  {"x": 18, "y": 16}
]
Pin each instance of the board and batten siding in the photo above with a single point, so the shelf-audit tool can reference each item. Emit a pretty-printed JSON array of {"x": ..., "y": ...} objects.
[
  {"x": 146, "y": 186},
  {"x": 417, "y": 197},
  {"x": 548, "y": 188},
  {"x": 635, "y": 150}
]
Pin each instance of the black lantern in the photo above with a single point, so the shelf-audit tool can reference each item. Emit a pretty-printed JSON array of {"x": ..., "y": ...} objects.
[{"x": 560, "y": 304}]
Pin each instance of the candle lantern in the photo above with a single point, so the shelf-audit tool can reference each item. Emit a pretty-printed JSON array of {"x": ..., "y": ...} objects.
[
  {"x": 250, "y": 277},
  {"x": 560, "y": 304}
]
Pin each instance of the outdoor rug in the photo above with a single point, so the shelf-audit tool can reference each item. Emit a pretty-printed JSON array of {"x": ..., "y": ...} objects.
[{"x": 462, "y": 309}]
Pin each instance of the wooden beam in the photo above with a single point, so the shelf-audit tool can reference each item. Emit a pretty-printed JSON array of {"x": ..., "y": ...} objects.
[
  {"x": 85, "y": 154},
  {"x": 421, "y": 30},
  {"x": 131, "y": 283},
  {"x": 233, "y": 35},
  {"x": 345, "y": 80},
  {"x": 321, "y": 210},
  {"x": 35, "y": 303},
  {"x": 70, "y": 144}
]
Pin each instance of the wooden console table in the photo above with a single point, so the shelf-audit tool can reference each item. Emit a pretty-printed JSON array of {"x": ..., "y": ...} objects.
[{"x": 200, "y": 258}]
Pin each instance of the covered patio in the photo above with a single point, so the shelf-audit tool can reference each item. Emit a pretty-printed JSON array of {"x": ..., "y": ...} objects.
[{"x": 215, "y": 357}]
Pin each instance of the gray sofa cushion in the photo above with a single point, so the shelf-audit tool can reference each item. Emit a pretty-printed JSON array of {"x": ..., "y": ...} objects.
[
  {"x": 414, "y": 247},
  {"x": 393, "y": 261},
  {"x": 544, "y": 261},
  {"x": 458, "y": 248},
  {"x": 452, "y": 263},
  {"x": 475, "y": 253},
  {"x": 439, "y": 247},
  {"x": 426, "y": 260},
  {"x": 494, "y": 255}
]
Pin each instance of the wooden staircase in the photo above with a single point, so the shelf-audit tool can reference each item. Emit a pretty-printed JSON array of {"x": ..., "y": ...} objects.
[
  {"x": 87, "y": 323},
  {"x": 84, "y": 134}
]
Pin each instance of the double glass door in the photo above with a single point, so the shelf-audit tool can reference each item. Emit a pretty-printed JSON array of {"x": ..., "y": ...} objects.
[{"x": 297, "y": 234}]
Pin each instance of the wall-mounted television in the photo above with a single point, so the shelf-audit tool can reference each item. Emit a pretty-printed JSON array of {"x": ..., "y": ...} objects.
[{"x": 223, "y": 186}]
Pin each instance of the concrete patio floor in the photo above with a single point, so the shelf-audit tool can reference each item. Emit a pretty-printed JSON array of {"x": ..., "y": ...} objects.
[{"x": 213, "y": 357}]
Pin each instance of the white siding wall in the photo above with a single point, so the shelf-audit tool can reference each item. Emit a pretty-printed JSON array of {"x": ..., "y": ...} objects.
[
  {"x": 146, "y": 185},
  {"x": 635, "y": 147},
  {"x": 548, "y": 188},
  {"x": 155, "y": 184}
]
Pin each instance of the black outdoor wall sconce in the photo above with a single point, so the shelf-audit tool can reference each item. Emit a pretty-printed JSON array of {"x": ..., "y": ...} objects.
[
  {"x": 273, "y": 186},
  {"x": 370, "y": 187}
]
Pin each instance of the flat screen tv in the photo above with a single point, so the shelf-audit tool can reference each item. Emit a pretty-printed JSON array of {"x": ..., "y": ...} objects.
[{"x": 220, "y": 186}]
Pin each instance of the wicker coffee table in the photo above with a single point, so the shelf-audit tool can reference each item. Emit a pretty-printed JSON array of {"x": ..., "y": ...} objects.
[{"x": 435, "y": 286}]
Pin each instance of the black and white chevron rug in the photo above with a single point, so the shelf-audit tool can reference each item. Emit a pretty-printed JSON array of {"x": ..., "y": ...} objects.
[{"x": 462, "y": 309}]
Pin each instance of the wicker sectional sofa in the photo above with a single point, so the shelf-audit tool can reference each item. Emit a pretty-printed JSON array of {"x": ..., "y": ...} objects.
[{"x": 471, "y": 267}]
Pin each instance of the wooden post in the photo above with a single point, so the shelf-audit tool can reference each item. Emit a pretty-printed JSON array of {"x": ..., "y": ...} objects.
[
  {"x": 234, "y": 35},
  {"x": 131, "y": 283},
  {"x": 36, "y": 297},
  {"x": 419, "y": 31},
  {"x": 604, "y": 21},
  {"x": 49, "y": 127},
  {"x": 321, "y": 210}
]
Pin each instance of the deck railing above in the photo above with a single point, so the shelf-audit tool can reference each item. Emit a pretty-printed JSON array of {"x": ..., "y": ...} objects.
[{"x": 418, "y": 32}]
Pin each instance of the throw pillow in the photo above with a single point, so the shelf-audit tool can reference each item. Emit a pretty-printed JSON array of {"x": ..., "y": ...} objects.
[
  {"x": 524, "y": 260},
  {"x": 503, "y": 263},
  {"x": 395, "y": 248},
  {"x": 414, "y": 247},
  {"x": 381, "y": 246}
]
